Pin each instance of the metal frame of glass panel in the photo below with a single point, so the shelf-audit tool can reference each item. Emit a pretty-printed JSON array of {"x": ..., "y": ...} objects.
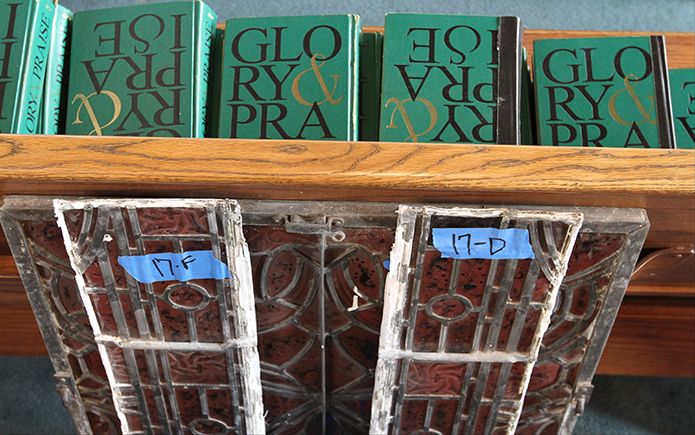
[
  {"x": 76, "y": 360},
  {"x": 402, "y": 358}
]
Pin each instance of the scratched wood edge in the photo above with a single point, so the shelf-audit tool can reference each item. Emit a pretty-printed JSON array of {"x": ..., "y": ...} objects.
[{"x": 46, "y": 159}]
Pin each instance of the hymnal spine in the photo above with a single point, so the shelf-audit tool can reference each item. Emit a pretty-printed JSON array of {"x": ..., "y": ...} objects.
[
  {"x": 25, "y": 35},
  {"x": 55, "y": 90},
  {"x": 206, "y": 21}
]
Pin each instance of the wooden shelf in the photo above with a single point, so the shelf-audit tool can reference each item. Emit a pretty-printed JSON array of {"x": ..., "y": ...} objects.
[{"x": 661, "y": 181}]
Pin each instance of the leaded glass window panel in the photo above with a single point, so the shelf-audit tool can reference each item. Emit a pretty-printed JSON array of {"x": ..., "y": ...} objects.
[
  {"x": 468, "y": 299},
  {"x": 278, "y": 233},
  {"x": 167, "y": 289}
]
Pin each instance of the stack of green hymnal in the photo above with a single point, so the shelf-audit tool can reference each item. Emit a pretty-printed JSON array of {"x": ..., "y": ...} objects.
[
  {"x": 25, "y": 33},
  {"x": 371, "y": 50},
  {"x": 683, "y": 103},
  {"x": 603, "y": 92},
  {"x": 450, "y": 78},
  {"x": 53, "y": 104},
  {"x": 141, "y": 70},
  {"x": 290, "y": 78}
]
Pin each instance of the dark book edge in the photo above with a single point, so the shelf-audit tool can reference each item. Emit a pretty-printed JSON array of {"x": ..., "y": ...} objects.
[
  {"x": 662, "y": 92},
  {"x": 509, "y": 81},
  {"x": 371, "y": 46},
  {"x": 528, "y": 104},
  {"x": 215, "y": 85}
]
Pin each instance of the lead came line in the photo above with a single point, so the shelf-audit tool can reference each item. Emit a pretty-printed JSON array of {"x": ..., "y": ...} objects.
[
  {"x": 117, "y": 311},
  {"x": 412, "y": 321},
  {"x": 523, "y": 307},
  {"x": 417, "y": 280},
  {"x": 463, "y": 398},
  {"x": 149, "y": 289},
  {"x": 453, "y": 281},
  {"x": 502, "y": 380},
  {"x": 322, "y": 320},
  {"x": 173, "y": 401},
  {"x": 489, "y": 286},
  {"x": 220, "y": 285},
  {"x": 160, "y": 404},
  {"x": 121, "y": 238},
  {"x": 474, "y": 408}
]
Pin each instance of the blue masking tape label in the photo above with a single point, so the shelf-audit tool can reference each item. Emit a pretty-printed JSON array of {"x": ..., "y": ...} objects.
[
  {"x": 169, "y": 266},
  {"x": 486, "y": 243}
]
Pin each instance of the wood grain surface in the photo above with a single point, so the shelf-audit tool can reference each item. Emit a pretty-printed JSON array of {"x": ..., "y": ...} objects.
[
  {"x": 662, "y": 181},
  {"x": 347, "y": 164},
  {"x": 651, "y": 337}
]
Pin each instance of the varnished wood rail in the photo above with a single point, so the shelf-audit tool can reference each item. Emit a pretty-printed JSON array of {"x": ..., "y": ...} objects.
[{"x": 662, "y": 181}]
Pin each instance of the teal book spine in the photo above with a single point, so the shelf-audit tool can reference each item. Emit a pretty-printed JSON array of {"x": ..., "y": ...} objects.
[
  {"x": 55, "y": 89},
  {"x": 15, "y": 21},
  {"x": 35, "y": 72},
  {"x": 25, "y": 31},
  {"x": 451, "y": 78},
  {"x": 137, "y": 71},
  {"x": 290, "y": 78},
  {"x": 206, "y": 24},
  {"x": 603, "y": 92},
  {"x": 683, "y": 103},
  {"x": 371, "y": 56}
]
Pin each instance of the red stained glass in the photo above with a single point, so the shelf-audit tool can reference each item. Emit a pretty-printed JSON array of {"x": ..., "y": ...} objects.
[
  {"x": 303, "y": 292},
  {"x": 352, "y": 268},
  {"x": 435, "y": 379}
]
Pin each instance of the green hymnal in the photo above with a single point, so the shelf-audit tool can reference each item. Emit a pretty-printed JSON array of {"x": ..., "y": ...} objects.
[
  {"x": 450, "y": 78},
  {"x": 53, "y": 105},
  {"x": 683, "y": 103},
  {"x": 603, "y": 92},
  {"x": 290, "y": 78},
  {"x": 141, "y": 70},
  {"x": 25, "y": 33}
]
